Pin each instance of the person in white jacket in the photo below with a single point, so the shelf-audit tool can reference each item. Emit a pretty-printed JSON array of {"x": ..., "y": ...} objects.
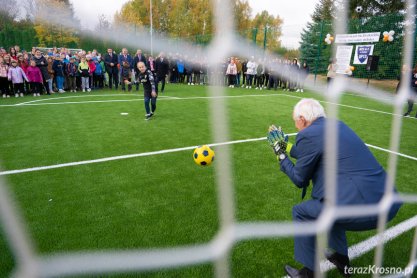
[
  {"x": 251, "y": 72},
  {"x": 231, "y": 72}
]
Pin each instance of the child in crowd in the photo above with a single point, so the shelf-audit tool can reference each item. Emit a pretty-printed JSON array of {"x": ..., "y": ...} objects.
[
  {"x": 84, "y": 70},
  {"x": 4, "y": 83},
  {"x": 92, "y": 66},
  {"x": 24, "y": 64},
  {"x": 105, "y": 78},
  {"x": 126, "y": 75},
  {"x": 17, "y": 76},
  {"x": 51, "y": 73},
  {"x": 58, "y": 66},
  {"x": 71, "y": 70},
  {"x": 98, "y": 73},
  {"x": 34, "y": 75}
]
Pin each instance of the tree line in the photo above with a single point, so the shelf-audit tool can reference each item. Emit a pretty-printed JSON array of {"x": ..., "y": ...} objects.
[{"x": 179, "y": 19}]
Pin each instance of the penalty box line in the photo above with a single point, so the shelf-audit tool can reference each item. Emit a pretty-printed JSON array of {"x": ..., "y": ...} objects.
[{"x": 120, "y": 157}]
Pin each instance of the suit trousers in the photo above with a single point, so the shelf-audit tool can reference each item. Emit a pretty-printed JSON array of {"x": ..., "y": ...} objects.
[{"x": 305, "y": 246}]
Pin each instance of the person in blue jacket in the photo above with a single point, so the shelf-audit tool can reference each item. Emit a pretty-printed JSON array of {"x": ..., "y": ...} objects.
[{"x": 360, "y": 180}]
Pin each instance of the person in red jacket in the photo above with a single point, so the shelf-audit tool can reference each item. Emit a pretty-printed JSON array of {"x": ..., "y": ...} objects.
[{"x": 92, "y": 66}]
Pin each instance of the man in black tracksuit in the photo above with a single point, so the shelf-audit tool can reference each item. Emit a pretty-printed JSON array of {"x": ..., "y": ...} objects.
[{"x": 147, "y": 79}]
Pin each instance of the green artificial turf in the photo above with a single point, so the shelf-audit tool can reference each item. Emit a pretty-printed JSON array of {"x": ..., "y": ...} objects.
[{"x": 166, "y": 200}]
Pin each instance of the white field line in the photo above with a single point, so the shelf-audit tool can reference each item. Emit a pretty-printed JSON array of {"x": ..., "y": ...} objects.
[
  {"x": 34, "y": 102},
  {"x": 367, "y": 245},
  {"x": 120, "y": 157},
  {"x": 65, "y": 97}
]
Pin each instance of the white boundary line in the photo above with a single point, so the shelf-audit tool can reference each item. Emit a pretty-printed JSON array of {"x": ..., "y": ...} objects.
[
  {"x": 120, "y": 157},
  {"x": 34, "y": 102}
]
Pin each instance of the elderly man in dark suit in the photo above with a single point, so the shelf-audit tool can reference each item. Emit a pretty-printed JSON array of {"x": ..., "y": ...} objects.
[
  {"x": 360, "y": 180},
  {"x": 111, "y": 61},
  {"x": 161, "y": 71},
  {"x": 139, "y": 57}
]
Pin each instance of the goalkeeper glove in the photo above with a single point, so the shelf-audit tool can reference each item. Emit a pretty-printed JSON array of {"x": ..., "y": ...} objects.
[{"x": 278, "y": 140}]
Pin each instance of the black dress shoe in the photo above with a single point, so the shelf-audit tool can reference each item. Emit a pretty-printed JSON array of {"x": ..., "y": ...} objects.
[
  {"x": 340, "y": 261},
  {"x": 302, "y": 273}
]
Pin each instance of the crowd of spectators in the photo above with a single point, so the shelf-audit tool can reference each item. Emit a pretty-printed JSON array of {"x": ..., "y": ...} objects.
[{"x": 53, "y": 70}]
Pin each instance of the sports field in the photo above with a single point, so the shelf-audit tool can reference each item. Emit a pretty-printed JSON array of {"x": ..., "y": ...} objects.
[{"x": 156, "y": 199}]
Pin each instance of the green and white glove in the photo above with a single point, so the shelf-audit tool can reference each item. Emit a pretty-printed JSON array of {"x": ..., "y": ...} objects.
[{"x": 278, "y": 140}]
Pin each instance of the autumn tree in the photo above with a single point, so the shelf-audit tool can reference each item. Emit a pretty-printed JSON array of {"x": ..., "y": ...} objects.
[
  {"x": 269, "y": 29},
  {"x": 193, "y": 19},
  {"x": 53, "y": 22}
]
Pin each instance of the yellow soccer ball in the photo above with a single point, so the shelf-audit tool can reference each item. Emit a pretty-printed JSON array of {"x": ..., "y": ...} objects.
[{"x": 203, "y": 155}]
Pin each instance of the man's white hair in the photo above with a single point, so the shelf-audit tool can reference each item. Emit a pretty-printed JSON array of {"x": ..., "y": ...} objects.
[{"x": 309, "y": 108}]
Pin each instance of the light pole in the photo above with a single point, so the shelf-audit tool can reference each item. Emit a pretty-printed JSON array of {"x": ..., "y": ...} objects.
[
  {"x": 150, "y": 4},
  {"x": 265, "y": 33}
]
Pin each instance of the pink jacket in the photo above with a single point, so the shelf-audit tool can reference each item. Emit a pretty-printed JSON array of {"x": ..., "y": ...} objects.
[
  {"x": 4, "y": 69},
  {"x": 16, "y": 75},
  {"x": 231, "y": 69},
  {"x": 34, "y": 74}
]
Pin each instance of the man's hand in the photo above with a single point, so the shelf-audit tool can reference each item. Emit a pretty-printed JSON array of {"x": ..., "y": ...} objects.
[{"x": 277, "y": 140}]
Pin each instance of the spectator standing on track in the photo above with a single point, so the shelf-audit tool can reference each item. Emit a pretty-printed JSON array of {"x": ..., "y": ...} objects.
[
  {"x": 413, "y": 93},
  {"x": 84, "y": 70},
  {"x": 231, "y": 72},
  {"x": 4, "y": 82},
  {"x": 111, "y": 62},
  {"x": 34, "y": 76},
  {"x": 304, "y": 71},
  {"x": 71, "y": 71},
  {"x": 42, "y": 64},
  {"x": 17, "y": 76},
  {"x": 250, "y": 72},
  {"x": 161, "y": 70}
]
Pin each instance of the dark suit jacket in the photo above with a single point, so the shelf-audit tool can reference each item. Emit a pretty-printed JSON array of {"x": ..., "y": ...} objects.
[
  {"x": 111, "y": 59},
  {"x": 360, "y": 178},
  {"x": 135, "y": 62},
  {"x": 161, "y": 68}
]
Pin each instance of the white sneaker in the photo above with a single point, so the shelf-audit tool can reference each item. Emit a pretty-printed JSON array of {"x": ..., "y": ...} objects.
[
  {"x": 61, "y": 91},
  {"x": 16, "y": 95},
  {"x": 21, "y": 94},
  {"x": 260, "y": 89},
  {"x": 4, "y": 96},
  {"x": 88, "y": 90},
  {"x": 302, "y": 90},
  {"x": 83, "y": 90},
  {"x": 39, "y": 94},
  {"x": 34, "y": 94},
  {"x": 298, "y": 90}
]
